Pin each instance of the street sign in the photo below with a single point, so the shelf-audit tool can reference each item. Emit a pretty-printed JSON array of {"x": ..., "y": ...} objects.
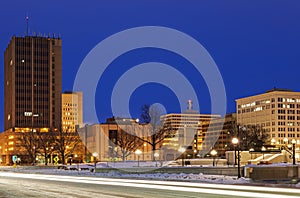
[
  {"x": 56, "y": 160},
  {"x": 14, "y": 158}
]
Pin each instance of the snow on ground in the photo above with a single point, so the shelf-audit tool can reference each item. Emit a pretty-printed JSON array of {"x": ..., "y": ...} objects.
[
  {"x": 115, "y": 174},
  {"x": 140, "y": 169}
]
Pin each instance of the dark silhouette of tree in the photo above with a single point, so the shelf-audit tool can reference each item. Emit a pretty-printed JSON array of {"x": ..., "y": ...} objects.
[
  {"x": 66, "y": 142},
  {"x": 253, "y": 137},
  {"x": 158, "y": 131},
  {"x": 250, "y": 136},
  {"x": 127, "y": 141},
  {"x": 46, "y": 144},
  {"x": 145, "y": 116},
  {"x": 29, "y": 141}
]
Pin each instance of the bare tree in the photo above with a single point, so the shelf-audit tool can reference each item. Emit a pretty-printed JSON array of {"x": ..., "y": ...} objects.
[
  {"x": 251, "y": 136},
  {"x": 46, "y": 142},
  {"x": 128, "y": 141},
  {"x": 158, "y": 131},
  {"x": 29, "y": 141},
  {"x": 66, "y": 142}
]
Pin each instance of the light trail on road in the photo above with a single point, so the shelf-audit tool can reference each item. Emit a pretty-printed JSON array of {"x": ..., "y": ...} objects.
[{"x": 203, "y": 188}]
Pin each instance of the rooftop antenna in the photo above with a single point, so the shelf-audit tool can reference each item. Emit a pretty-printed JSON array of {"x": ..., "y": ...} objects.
[
  {"x": 27, "y": 27},
  {"x": 190, "y": 104}
]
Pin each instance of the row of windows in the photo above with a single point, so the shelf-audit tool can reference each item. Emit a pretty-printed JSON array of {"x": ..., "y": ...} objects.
[
  {"x": 70, "y": 109},
  {"x": 290, "y": 100},
  {"x": 283, "y": 135},
  {"x": 247, "y": 110},
  {"x": 69, "y": 118},
  {"x": 70, "y": 104},
  {"x": 282, "y": 117}
]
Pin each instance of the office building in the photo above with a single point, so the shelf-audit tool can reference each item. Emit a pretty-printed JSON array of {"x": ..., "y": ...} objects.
[
  {"x": 277, "y": 111},
  {"x": 32, "y": 84},
  {"x": 71, "y": 111},
  {"x": 214, "y": 138},
  {"x": 188, "y": 129}
]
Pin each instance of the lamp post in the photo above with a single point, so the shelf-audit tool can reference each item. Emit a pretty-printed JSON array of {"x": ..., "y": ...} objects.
[
  {"x": 250, "y": 151},
  {"x": 138, "y": 152},
  {"x": 77, "y": 163},
  {"x": 273, "y": 141},
  {"x": 156, "y": 155},
  {"x": 294, "y": 156},
  {"x": 263, "y": 150},
  {"x": 34, "y": 155},
  {"x": 235, "y": 142},
  {"x": 182, "y": 150},
  {"x": 214, "y": 154},
  {"x": 95, "y": 155}
]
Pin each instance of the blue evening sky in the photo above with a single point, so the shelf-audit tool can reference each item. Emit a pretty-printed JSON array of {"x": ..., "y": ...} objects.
[{"x": 255, "y": 44}]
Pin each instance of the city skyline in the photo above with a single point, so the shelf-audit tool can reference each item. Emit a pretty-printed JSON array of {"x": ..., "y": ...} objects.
[{"x": 254, "y": 45}]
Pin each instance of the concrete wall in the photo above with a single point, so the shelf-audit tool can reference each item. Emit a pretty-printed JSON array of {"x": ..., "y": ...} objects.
[{"x": 272, "y": 172}]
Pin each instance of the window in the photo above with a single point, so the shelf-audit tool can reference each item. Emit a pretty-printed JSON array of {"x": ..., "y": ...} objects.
[
  {"x": 291, "y": 117},
  {"x": 280, "y": 100},
  {"x": 281, "y": 123},
  {"x": 281, "y": 117},
  {"x": 273, "y": 105}
]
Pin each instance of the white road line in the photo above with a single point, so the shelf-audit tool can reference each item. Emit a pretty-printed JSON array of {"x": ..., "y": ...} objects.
[
  {"x": 186, "y": 184},
  {"x": 165, "y": 185}
]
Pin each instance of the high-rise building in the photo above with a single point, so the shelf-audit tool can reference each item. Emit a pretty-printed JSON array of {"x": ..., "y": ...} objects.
[
  {"x": 33, "y": 84},
  {"x": 188, "y": 128},
  {"x": 71, "y": 111},
  {"x": 277, "y": 111},
  {"x": 218, "y": 133}
]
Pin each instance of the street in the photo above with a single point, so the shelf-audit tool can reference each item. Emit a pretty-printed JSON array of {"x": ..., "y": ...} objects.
[{"x": 38, "y": 185}]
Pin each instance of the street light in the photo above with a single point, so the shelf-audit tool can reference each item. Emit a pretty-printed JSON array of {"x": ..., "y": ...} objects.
[
  {"x": 294, "y": 156},
  {"x": 214, "y": 153},
  {"x": 138, "y": 152},
  {"x": 273, "y": 141},
  {"x": 182, "y": 150},
  {"x": 250, "y": 151},
  {"x": 156, "y": 155},
  {"x": 235, "y": 142},
  {"x": 95, "y": 155}
]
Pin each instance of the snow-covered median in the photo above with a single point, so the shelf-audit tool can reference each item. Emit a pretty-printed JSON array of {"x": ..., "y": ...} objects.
[{"x": 116, "y": 174}]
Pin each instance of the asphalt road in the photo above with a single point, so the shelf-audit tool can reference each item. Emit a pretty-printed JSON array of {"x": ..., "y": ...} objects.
[{"x": 34, "y": 185}]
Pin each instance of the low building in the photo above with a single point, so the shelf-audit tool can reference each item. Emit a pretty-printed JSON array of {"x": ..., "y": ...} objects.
[{"x": 109, "y": 140}]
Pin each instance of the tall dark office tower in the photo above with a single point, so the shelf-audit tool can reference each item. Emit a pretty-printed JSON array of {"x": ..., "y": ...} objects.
[{"x": 33, "y": 84}]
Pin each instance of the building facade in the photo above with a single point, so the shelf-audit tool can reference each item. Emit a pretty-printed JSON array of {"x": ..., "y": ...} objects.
[
  {"x": 104, "y": 139},
  {"x": 188, "y": 127},
  {"x": 277, "y": 111},
  {"x": 32, "y": 84},
  {"x": 71, "y": 111},
  {"x": 214, "y": 138}
]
